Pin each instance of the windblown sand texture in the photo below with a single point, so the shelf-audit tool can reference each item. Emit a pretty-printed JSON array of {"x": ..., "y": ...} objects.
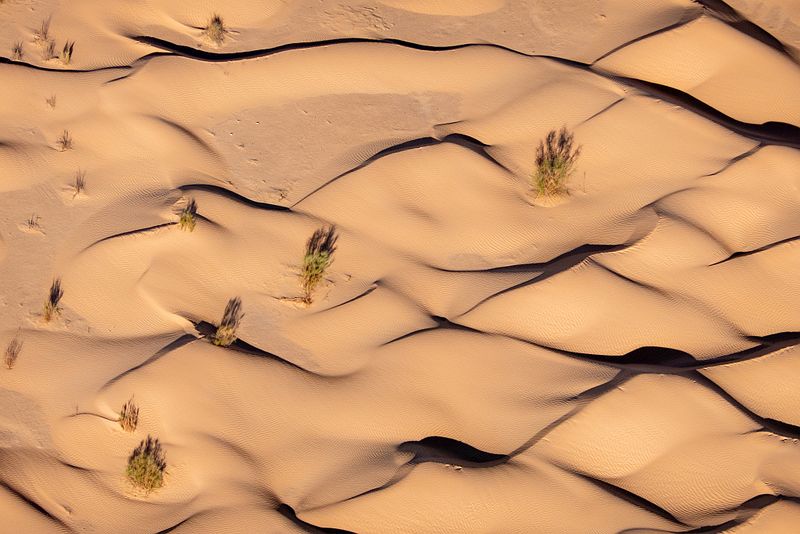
[{"x": 623, "y": 360}]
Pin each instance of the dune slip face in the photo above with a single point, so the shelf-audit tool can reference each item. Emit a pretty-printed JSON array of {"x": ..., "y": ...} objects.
[{"x": 400, "y": 266}]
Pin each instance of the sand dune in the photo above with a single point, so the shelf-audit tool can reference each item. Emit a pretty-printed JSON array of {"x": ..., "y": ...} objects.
[{"x": 617, "y": 357}]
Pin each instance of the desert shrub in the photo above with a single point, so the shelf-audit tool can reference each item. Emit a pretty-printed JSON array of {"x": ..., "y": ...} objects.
[
  {"x": 215, "y": 29},
  {"x": 33, "y": 222},
  {"x": 42, "y": 35},
  {"x": 49, "y": 50},
  {"x": 319, "y": 256},
  {"x": 80, "y": 182},
  {"x": 51, "y": 308},
  {"x": 64, "y": 141},
  {"x": 555, "y": 162},
  {"x": 146, "y": 465},
  {"x": 66, "y": 53},
  {"x": 188, "y": 218},
  {"x": 51, "y": 101},
  {"x": 12, "y": 351},
  {"x": 129, "y": 416},
  {"x": 231, "y": 317},
  {"x": 16, "y": 51}
]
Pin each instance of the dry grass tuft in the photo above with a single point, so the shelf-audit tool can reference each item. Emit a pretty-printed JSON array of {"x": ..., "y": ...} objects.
[
  {"x": 12, "y": 351},
  {"x": 51, "y": 308},
  {"x": 319, "y": 256},
  {"x": 49, "y": 51},
  {"x": 51, "y": 101},
  {"x": 33, "y": 222},
  {"x": 17, "y": 52},
  {"x": 555, "y": 162},
  {"x": 146, "y": 465},
  {"x": 188, "y": 218},
  {"x": 215, "y": 29},
  {"x": 42, "y": 35},
  {"x": 129, "y": 416},
  {"x": 231, "y": 317},
  {"x": 64, "y": 142},
  {"x": 66, "y": 53},
  {"x": 80, "y": 182}
]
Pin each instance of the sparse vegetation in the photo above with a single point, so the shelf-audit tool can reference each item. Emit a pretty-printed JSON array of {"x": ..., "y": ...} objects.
[
  {"x": 66, "y": 53},
  {"x": 33, "y": 222},
  {"x": 16, "y": 51},
  {"x": 555, "y": 162},
  {"x": 80, "y": 182},
  {"x": 215, "y": 29},
  {"x": 51, "y": 308},
  {"x": 12, "y": 351},
  {"x": 146, "y": 465},
  {"x": 64, "y": 141},
  {"x": 319, "y": 256},
  {"x": 42, "y": 35},
  {"x": 231, "y": 317},
  {"x": 188, "y": 218},
  {"x": 129, "y": 416},
  {"x": 49, "y": 50},
  {"x": 51, "y": 101}
]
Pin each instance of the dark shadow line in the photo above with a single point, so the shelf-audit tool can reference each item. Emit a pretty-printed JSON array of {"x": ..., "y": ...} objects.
[
  {"x": 744, "y": 253},
  {"x": 288, "y": 512}
]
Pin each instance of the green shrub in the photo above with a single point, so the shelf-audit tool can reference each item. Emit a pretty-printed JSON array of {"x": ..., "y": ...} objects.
[
  {"x": 555, "y": 162},
  {"x": 146, "y": 465},
  {"x": 231, "y": 317},
  {"x": 319, "y": 256}
]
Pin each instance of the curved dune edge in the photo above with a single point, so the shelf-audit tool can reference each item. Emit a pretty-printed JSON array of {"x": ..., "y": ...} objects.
[{"x": 476, "y": 358}]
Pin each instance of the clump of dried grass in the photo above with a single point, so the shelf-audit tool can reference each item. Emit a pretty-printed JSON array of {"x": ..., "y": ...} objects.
[
  {"x": 188, "y": 218},
  {"x": 129, "y": 416},
  {"x": 146, "y": 465},
  {"x": 215, "y": 29},
  {"x": 555, "y": 162},
  {"x": 318, "y": 257},
  {"x": 231, "y": 317},
  {"x": 51, "y": 307},
  {"x": 64, "y": 141},
  {"x": 12, "y": 351}
]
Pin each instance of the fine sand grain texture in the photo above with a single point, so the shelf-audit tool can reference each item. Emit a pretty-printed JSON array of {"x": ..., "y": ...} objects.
[{"x": 619, "y": 353}]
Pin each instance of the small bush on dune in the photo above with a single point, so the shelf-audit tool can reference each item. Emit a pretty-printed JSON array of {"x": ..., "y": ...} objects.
[
  {"x": 42, "y": 35},
  {"x": 80, "y": 182},
  {"x": 12, "y": 351},
  {"x": 33, "y": 222},
  {"x": 226, "y": 331},
  {"x": 51, "y": 101},
  {"x": 66, "y": 53},
  {"x": 51, "y": 308},
  {"x": 319, "y": 256},
  {"x": 64, "y": 141},
  {"x": 129, "y": 416},
  {"x": 188, "y": 218},
  {"x": 555, "y": 162},
  {"x": 215, "y": 29},
  {"x": 146, "y": 465},
  {"x": 16, "y": 51},
  {"x": 49, "y": 50}
]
